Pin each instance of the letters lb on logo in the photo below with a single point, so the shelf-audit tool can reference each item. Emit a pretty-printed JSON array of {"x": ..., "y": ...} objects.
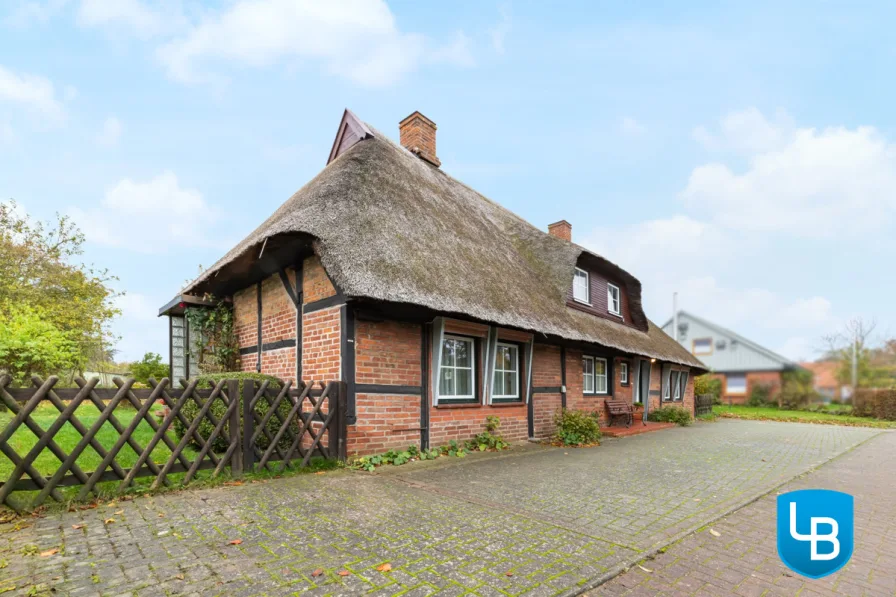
[{"x": 815, "y": 531}]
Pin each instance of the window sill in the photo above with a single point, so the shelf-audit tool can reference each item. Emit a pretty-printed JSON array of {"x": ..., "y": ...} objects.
[
  {"x": 619, "y": 315},
  {"x": 508, "y": 403},
  {"x": 459, "y": 404},
  {"x": 581, "y": 302}
]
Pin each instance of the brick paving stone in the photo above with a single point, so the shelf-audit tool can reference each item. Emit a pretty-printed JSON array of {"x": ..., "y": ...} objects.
[
  {"x": 554, "y": 518},
  {"x": 746, "y": 558}
]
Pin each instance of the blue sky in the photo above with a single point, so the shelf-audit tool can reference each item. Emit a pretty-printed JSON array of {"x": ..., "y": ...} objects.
[{"x": 740, "y": 153}]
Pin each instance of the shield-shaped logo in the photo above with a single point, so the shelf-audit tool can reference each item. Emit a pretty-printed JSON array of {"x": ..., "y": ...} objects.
[{"x": 815, "y": 531}]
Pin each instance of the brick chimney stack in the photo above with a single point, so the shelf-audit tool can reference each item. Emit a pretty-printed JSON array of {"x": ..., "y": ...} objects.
[
  {"x": 561, "y": 229},
  {"x": 418, "y": 135}
]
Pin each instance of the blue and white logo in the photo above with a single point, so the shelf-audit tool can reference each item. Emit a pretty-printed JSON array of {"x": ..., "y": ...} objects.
[{"x": 815, "y": 531}]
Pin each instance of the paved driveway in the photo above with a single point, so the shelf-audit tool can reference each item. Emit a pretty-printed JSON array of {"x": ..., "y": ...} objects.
[
  {"x": 540, "y": 522},
  {"x": 743, "y": 559}
]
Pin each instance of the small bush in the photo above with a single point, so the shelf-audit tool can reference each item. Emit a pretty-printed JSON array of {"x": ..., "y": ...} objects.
[
  {"x": 880, "y": 404},
  {"x": 710, "y": 416},
  {"x": 399, "y": 457},
  {"x": 671, "y": 414},
  {"x": 576, "y": 427},
  {"x": 796, "y": 389},
  {"x": 836, "y": 401},
  {"x": 490, "y": 439},
  {"x": 707, "y": 384},
  {"x": 190, "y": 411},
  {"x": 760, "y": 395}
]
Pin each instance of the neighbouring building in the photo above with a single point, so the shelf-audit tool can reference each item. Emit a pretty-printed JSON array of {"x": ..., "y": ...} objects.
[
  {"x": 435, "y": 305},
  {"x": 825, "y": 382},
  {"x": 739, "y": 363}
]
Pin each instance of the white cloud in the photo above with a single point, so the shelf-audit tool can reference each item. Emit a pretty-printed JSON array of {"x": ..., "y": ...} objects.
[
  {"x": 173, "y": 214},
  {"x": 111, "y": 132},
  {"x": 746, "y": 131},
  {"x": 34, "y": 92},
  {"x": 130, "y": 15},
  {"x": 28, "y": 12},
  {"x": 632, "y": 127},
  {"x": 804, "y": 182},
  {"x": 499, "y": 32},
  {"x": 354, "y": 39}
]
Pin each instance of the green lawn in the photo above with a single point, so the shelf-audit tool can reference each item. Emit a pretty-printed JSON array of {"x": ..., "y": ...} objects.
[
  {"x": 68, "y": 437},
  {"x": 797, "y": 416}
]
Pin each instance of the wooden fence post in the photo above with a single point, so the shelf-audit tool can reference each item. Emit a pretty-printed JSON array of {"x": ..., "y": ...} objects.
[
  {"x": 248, "y": 424},
  {"x": 342, "y": 421},
  {"x": 233, "y": 393}
]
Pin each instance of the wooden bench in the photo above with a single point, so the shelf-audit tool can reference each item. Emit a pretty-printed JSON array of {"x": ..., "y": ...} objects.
[{"x": 618, "y": 407}]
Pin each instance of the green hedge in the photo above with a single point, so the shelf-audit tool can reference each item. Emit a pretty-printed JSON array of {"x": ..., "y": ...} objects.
[
  {"x": 190, "y": 411},
  {"x": 670, "y": 414},
  {"x": 880, "y": 404}
]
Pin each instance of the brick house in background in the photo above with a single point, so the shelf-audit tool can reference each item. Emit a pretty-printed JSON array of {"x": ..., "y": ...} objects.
[
  {"x": 739, "y": 363},
  {"x": 436, "y": 306}
]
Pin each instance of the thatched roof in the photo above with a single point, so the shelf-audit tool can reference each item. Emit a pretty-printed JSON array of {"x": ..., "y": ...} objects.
[{"x": 391, "y": 227}]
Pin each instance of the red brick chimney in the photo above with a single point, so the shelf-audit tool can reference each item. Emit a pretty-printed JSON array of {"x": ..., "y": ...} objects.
[
  {"x": 418, "y": 135},
  {"x": 561, "y": 229}
]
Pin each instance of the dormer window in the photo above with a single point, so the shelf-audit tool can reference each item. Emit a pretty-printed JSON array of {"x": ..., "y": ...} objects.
[
  {"x": 614, "y": 300},
  {"x": 581, "y": 287}
]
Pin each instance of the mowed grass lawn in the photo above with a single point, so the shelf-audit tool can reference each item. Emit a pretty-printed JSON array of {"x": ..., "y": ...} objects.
[
  {"x": 68, "y": 437},
  {"x": 759, "y": 413}
]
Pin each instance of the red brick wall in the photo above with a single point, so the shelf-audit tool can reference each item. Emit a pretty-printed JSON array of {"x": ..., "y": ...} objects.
[
  {"x": 385, "y": 422},
  {"x": 321, "y": 351},
  {"x": 245, "y": 323},
  {"x": 316, "y": 285},
  {"x": 387, "y": 353},
  {"x": 771, "y": 378},
  {"x": 545, "y": 374},
  {"x": 461, "y": 422}
]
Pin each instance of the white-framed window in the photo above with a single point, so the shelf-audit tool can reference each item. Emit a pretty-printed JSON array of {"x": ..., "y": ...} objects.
[
  {"x": 702, "y": 346},
  {"x": 457, "y": 374},
  {"x": 594, "y": 370},
  {"x": 506, "y": 381},
  {"x": 674, "y": 389},
  {"x": 683, "y": 383},
  {"x": 623, "y": 373},
  {"x": 614, "y": 299},
  {"x": 588, "y": 375},
  {"x": 736, "y": 383},
  {"x": 581, "y": 286}
]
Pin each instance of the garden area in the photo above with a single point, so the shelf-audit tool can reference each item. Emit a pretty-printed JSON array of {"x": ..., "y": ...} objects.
[{"x": 797, "y": 402}]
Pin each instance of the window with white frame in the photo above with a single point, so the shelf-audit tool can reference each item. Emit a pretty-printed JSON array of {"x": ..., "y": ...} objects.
[
  {"x": 683, "y": 383},
  {"x": 595, "y": 373},
  {"x": 506, "y": 381},
  {"x": 623, "y": 373},
  {"x": 614, "y": 300},
  {"x": 702, "y": 346},
  {"x": 457, "y": 376},
  {"x": 736, "y": 383},
  {"x": 588, "y": 374},
  {"x": 581, "y": 286},
  {"x": 674, "y": 388}
]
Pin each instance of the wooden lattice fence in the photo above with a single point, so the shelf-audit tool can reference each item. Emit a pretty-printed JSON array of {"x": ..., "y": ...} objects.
[
  {"x": 703, "y": 404},
  {"x": 256, "y": 427}
]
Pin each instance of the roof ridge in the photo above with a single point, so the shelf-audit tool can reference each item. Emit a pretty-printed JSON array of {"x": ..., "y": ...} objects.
[{"x": 768, "y": 352}]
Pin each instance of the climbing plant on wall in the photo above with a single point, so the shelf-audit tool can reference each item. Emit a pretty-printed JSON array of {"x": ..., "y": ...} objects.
[{"x": 213, "y": 341}]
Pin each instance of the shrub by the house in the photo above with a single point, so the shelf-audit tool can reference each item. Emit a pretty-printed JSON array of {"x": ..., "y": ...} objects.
[
  {"x": 880, "y": 404},
  {"x": 671, "y": 414},
  {"x": 796, "y": 389},
  {"x": 706, "y": 384},
  {"x": 576, "y": 427},
  {"x": 760, "y": 395},
  {"x": 190, "y": 411}
]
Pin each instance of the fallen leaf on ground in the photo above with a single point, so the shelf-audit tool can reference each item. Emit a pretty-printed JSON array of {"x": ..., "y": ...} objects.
[
  {"x": 179, "y": 576},
  {"x": 120, "y": 512},
  {"x": 161, "y": 515},
  {"x": 235, "y": 541},
  {"x": 317, "y": 573},
  {"x": 49, "y": 552},
  {"x": 109, "y": 520},
  {"x": 715, "y": 533},
  {"x": 343, "y": 573},
  {"x": 384, "y": 567},
  {"x": 111, "y": 505},
  {"x": 77, "y": 526},
  {"x": 644, "y": 569},
  {"x": 696, "y": 499},
  {"x": 508, "y": 573}
]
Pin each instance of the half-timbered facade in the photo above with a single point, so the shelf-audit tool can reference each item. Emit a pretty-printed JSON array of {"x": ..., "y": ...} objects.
[{"x": 435, "y": 305}]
